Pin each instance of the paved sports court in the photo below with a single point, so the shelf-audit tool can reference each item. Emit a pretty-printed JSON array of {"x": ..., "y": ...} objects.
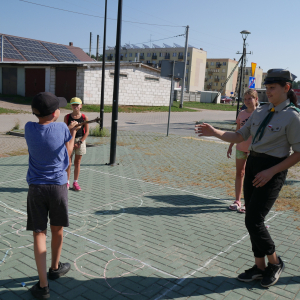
[{"x": 154, "y": 227}]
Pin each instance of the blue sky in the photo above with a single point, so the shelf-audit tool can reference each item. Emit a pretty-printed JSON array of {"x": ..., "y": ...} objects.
[{"x": 215, "y": 25}]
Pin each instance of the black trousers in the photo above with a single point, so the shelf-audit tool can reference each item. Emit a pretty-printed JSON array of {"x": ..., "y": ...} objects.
[{"x": 259, "y": 201}]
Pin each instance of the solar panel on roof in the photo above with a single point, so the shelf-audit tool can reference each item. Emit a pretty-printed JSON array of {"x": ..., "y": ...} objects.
[
  {"x": 9, "y": 51},
  {"x": 31, "y": 50},
  {"x": 135, "y": 47},
  {"x": 177, "y": 46},
  {"x": 146, "y": 46},
  {"x": 156, "y": 46},
  {"x": 61, "y": 52},
  {"x": 167, "y": 46}
]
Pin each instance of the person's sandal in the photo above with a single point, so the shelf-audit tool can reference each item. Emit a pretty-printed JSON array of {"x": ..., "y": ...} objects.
[
  {"x": 235, "y": 205},
  {"x": 242, "y": 209}
]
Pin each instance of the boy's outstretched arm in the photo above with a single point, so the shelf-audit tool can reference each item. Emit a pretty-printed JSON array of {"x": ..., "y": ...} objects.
[
  {"x": 207, "y": 130},
  {"x": 70, "y": 143},
  {"x": 87, "y": 130}
]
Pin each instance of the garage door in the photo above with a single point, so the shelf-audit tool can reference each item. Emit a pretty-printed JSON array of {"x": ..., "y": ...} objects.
[
  {"x": 9, "y": 81},
  {"x": 65, "y": 83},
  {"x": 34, "y": 81}
]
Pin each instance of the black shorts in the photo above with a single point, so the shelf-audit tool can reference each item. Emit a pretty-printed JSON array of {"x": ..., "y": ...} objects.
[{"x": 43, "y": 199}]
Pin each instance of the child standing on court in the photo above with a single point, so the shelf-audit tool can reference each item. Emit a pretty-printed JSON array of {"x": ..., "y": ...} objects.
[
  {"x": 80, "y": 144},
  {"x": 251, "y": 102},
  {"x": 49, "y": 145}
]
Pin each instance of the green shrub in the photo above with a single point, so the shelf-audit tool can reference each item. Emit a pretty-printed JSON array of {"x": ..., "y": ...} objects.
[{"x": 98, "y": 132}]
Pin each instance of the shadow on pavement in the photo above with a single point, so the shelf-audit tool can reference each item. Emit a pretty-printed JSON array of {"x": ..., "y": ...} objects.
[
  {"x": 12, "y": 190},
  {"x": 137, "y": 287},
  {"x": 196, "y": 205}
]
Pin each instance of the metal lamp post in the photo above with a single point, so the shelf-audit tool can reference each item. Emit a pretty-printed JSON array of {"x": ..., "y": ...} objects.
[{"x": 245, "y": 34}]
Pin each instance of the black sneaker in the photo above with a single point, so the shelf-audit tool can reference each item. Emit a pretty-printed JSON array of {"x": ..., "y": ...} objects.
[
  {"x": 40, "y": 293},
  {"x": 272, "y": 273},
  {"x": 251, "y": 274},
  {"x": 62, "y": 270}
]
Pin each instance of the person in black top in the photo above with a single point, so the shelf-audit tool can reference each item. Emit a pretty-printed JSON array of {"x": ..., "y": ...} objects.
[{"x": 80, "y": 144}]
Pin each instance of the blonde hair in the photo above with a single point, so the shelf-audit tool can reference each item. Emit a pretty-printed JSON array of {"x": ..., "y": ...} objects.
[{"x": 252, "y": 93}]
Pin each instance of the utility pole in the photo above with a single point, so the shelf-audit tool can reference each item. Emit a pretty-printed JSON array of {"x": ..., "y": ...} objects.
[
  {"x": 90, "y": 44},
  {"x": 114, "y": 120},
  {"x": 2, "y": 47},
  {"x": 103, "y": 70},
  {"x": 97, "y": 51},
  {"x": 185, "y": 60},
  {"x": 244, "y": 33}
]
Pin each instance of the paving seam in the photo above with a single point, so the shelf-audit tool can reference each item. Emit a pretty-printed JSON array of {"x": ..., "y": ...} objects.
[
  {"x": 94, "y": 242},
  {"x": 208, "y": 262}
]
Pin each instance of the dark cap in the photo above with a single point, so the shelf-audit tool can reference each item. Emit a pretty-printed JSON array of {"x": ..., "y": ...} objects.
[
  {"x": 279, "y": 75},
  {"x": 45, "y": 103}
]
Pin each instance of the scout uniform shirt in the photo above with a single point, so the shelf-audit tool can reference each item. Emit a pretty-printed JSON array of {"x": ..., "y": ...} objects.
[{"x": 281, "y": 133}]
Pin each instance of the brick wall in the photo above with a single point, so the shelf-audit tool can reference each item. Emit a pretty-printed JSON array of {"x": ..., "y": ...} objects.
[{"x": 134, "y": 88}]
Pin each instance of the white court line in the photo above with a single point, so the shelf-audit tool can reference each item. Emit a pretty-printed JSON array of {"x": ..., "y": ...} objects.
[
  {"x": 167, "y": 187},
  {"x": 207, "y": 263},
  {"x": 12, "y": 180},
  {"x": 94, "y": 242}
]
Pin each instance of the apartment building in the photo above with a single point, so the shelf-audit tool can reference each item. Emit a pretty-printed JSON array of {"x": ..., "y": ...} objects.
[
  {"x": 217, "y": 71},
  {"x": 196, "y": 60},
  {"x": 263, "y": 78},
  {"x": 258, "y": 77}
]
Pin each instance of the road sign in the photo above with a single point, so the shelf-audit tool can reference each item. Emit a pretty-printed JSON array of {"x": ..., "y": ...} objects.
[
  {"x": 253, "y": 67},
  {"x": 251, "y": 82},
  {"x": 167, "y": 69}
]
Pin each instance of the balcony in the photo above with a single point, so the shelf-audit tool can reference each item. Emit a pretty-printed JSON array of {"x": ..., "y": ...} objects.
[
  {"x": 218, "y": 65},
  {"x": 210, "y": 73},
  {"x": 167, "y": 56},
  {"x": 206, "y": 65},
  {"x": 109, "y": 57},
  {"x": 154, "y": 56},
  {"x": 180, "y": 56},
  {"x": 217, "y": 79},
  {"x": 206, "y": 79}
]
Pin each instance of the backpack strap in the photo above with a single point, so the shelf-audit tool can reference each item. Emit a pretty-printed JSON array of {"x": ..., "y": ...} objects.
[{"x": 68, "y": 118}]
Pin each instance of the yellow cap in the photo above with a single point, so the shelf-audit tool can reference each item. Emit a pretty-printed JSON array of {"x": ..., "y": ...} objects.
[{"x": 75, "y": 100}]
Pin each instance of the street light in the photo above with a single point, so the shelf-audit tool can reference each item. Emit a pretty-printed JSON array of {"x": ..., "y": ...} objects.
[{"x": 245, "y": 34}]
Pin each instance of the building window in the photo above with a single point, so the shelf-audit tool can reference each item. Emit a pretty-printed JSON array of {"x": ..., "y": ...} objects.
[
  {"x": 151, "y": 78},
  {"x": 136, "y": 55},
  {"x": 125, "y": 54},
  {"x": 130, "y": 54},
  {"x": 187, "y": 62},
  {"x": 224, "y": 63},
  {"x": 123, "y": 75},
  {"x": 174, "y": 54},
  {"x": 149, "y": 54},
  {"x": 188, "y": 54},
  {"x": 212, "y": 63},
  {"x": 222, "y": 77},
  {"x": 223, "y": 70},
  {"x": 160, "y": 54}
]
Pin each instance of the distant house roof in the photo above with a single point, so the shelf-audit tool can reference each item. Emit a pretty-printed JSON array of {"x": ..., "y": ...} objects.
[{"x": 24, "y": 49}]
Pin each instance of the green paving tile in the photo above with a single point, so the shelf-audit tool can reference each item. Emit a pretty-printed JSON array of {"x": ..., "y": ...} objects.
[{"x": 174, "y": 225}]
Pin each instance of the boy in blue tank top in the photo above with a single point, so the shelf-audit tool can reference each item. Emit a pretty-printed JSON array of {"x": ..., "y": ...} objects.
[{"x": 49, "y": 145}]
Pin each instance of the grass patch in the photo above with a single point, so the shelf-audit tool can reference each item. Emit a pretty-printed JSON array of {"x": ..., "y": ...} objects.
[
  {"x": 98, "y": 132},
  {"x": 132, "y": 108},
  {"x": 16, "y": 99},
  {"x": 211, "y": 106},
  {"x": 10, "y": 111}
]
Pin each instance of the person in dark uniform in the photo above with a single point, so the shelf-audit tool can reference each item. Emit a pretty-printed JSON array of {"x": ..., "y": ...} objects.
[{"x": 275, "y": 148}]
